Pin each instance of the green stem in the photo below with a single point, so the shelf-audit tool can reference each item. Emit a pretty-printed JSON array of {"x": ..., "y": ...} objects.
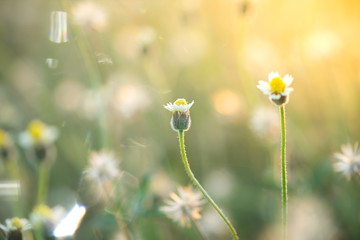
[
  {"x": 196, "y": 182},
  {"x": 283, "y": 173},
  {"x": 43, "y": 177}
]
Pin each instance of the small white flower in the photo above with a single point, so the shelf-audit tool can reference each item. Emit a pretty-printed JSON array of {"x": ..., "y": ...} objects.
[
  {"x": 276, "y": 87},
  {"x": 180, "y": 120},
  {"x": 38, "y": 133},
  {"x": 88, "y": 14},
  {"x": 42, "y": 214},
  {"x": 179, "y": 105},
  {"x": 349, "y": 160},
  {"x": 16, "y": 224},
  {"x": 184, "y": 206},
  {"x": 103, "y": 167}
]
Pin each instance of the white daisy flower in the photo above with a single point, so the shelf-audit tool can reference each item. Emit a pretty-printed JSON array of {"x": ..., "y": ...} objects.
[
  {"x": 179, "y": 105},
  {"x": 16, "y": 224},
  {"x": 349, "y": 160},
  {"x": 277, "y": 88},
  {"x": 37, "y": 134},
  {"x": 181, "y": 208},
  {"x": 180, "y": 120}
]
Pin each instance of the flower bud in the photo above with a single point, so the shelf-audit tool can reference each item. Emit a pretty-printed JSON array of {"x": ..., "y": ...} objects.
[{"x": 180, "y": 120}]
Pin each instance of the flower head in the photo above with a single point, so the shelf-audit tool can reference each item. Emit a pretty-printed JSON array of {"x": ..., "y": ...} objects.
[
  {"x": 101, "y": 174},
  {"x": 181, "y": 114},
  {"x": 349, "y": 160},
  {"x": 181, "y": 208},
  {"x": 103, "y": 167},
  {"x": 38, "y": 133},
  {"x": 277, "y": 88},
  {"x": 15, "y": 227}
]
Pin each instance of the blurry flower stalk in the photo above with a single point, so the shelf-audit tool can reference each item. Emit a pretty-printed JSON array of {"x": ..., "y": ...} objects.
[
  {"x": 185, "y": 207},
  {"x": 58, "y": 27},
  {"x": 38, "y": 140},
  {"x": 348, "y": 160},
  {"x": 14, "y": 229},
  {"x": 279, "y": 92},
  {"x": 103, "y": 173},
  {"x": 180, "y": 122}
]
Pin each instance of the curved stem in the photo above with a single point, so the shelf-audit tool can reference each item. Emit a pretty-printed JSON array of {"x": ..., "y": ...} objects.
[
  {"x": 196, "y": 182},
  {"x": 283, "y": 173}
]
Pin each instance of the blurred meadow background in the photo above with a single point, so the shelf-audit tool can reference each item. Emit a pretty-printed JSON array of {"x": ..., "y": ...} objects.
[{"x": 103, "y": 83}]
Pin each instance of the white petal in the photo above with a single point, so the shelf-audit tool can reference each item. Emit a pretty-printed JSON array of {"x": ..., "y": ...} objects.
[
  {"x": 288, "y": 80},
  {"x": 25, "y": 140},
  {"x": 50, "y": 135},
  {"x": 190, "y": 104},
  {"x": 264, "y": 87},
  {"x": 273, "y": 75},
  {"x": 169, "y": 107},
  {"x": 287, "y": 91}
]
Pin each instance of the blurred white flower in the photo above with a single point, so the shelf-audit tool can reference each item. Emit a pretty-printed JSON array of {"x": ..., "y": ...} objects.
[
  {"x": 277, "y": 88},
  {"x": 16, "y": 224},
  {"x": 130, "y": 98},
  {"x": 265, "y": 122},
  {"x": 42, "y": 214},
  {"x": 101, "y": 173},
  {"x": 89, "y": 15},
  {"x": 181, "y": 208},
  {"x": 38, "y": 133},
  {"x": 102, "y": 167},
  {"x": 348, "y": 161}
]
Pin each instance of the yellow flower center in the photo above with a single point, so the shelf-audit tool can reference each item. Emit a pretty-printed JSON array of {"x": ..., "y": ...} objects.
[
  {"x": 43, "y": 210},
  {"x": 16, "y": 222},
  {"x": 3, "y": 137},
  {"x": 36, "y": 129},
  {"x": 180, "y": 101},
  {"x": 277, "y": 85}
]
